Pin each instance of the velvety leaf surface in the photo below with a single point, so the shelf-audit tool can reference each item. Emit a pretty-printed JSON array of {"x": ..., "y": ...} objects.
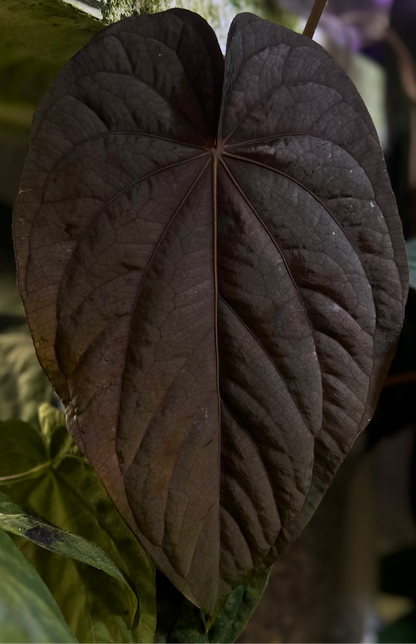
[
  {"x": 214, "y": 283},
  {"x": 28, "y": 612},
  {"x": 64, "y": 490}
]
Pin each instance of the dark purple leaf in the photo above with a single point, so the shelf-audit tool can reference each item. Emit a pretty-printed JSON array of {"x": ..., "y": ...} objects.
[{"x": 217, "y": 310}]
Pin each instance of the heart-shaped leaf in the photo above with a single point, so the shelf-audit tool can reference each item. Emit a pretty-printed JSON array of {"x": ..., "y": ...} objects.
[
  {"x": 214, "y": 274},
  {"x": 28, "y": 612}
]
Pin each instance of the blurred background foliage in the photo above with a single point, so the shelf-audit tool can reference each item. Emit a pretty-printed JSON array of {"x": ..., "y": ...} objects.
[{"x": 351, "y": 576}]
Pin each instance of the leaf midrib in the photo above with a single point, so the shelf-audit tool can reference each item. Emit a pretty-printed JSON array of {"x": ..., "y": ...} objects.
[{"x": 214, "y": 159}]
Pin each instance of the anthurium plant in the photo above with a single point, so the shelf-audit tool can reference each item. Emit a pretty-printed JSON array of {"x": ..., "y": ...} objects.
[{"x": 214, "y": 276}]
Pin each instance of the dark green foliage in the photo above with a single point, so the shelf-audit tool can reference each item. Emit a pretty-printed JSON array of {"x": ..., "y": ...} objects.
[
  {"x": 23, "y": 385},
  {"x": 14, "y": 520},
  {"x": 28, "y": 612},
  {"x": 181, "y": 621},
  {"x": 51, "y": 480}
]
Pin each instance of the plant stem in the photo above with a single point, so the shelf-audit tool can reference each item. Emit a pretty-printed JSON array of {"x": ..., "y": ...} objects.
[
  {"x": 23, "y": 476},
  {"x": 314, "y": 18}
]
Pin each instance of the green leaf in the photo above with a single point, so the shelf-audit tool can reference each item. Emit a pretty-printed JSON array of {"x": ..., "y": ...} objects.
[
  {"x": 237, "y": 610},
  {"x": 181, "y": 621},
  {"x": 23, "y": 384},
  {"x": 22, "y": 452},
  {"x": 67, "y": 493},
  {"x": 57, "y": 441},
  {"x": 411, "y": 256},
  {"x": 14, "y": 520},
  {"x": 10, "y": 300},
  {"x": 28, "y": 612}
]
